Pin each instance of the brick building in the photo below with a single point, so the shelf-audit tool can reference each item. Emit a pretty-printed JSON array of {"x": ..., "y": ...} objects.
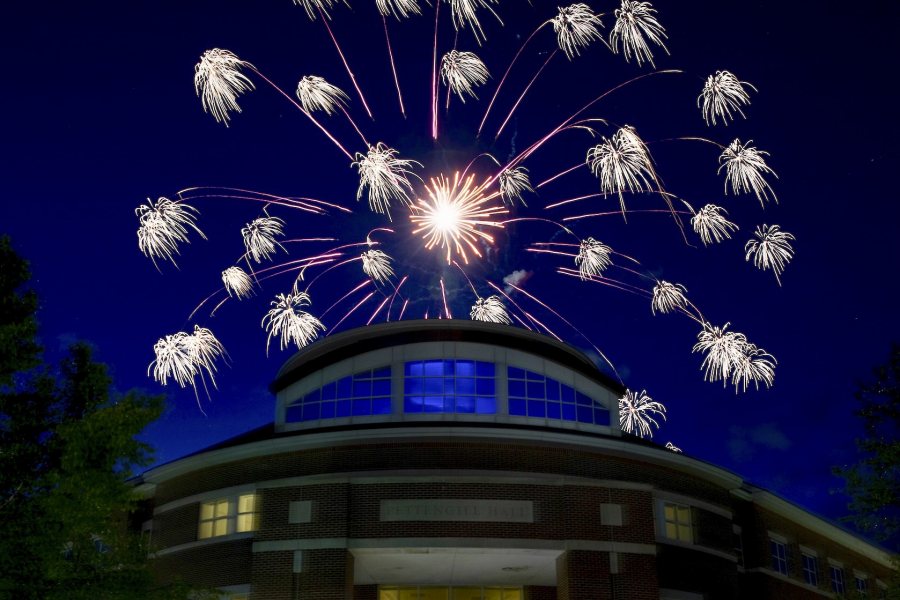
[{"x": 451, "y": 460}]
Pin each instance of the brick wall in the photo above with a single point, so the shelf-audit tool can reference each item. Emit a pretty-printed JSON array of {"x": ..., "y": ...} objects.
[{"x": 213, "y": 565}]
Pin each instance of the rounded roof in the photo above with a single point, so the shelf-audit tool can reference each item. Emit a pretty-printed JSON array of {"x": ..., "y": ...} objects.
[{"x": 385, "y": 335}]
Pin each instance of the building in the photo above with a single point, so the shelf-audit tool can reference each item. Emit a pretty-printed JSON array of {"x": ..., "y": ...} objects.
[{"x": 462, "y": 460}]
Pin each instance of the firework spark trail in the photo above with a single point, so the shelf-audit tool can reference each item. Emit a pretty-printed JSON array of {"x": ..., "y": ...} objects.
[
  {"x": 403, "y": 310},
  {"x": 353, "y": 123},
  {"x": 378, "y": 310},
  {"x": 394, "y": 295},
  {"x": 514, "y": 303},
  {"x": 571, "y": 200},
  {"x": 524, "y": 92},
  {"x": 618, "y": 212},
  {"x": 612, "y": 283},
  {"x": 434, "y": 81},
  {"x": 346, "y": 65},
  {"x": 345, "y": 296},
  {"x": 444, "y": 296},
  {"x": 558, "y": 175},
  {"x": 387, "y": 38},
  {"x": 560, "y": 225},
  {"x": 289, "y": 201},
  {"x": 293, "y": 205},
  {"x": 331, "y": 268},
  {"x": 353, "y": 310},
  {"x": 304, "y": 111},
  {"x": 505, "y": 75}
]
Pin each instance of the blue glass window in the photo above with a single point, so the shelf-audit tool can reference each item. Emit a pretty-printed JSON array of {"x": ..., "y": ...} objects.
[
  {"x": 449, "y": 386},
  {"x": 363, "y": 393},
  {"x": 535, "y": 395}
]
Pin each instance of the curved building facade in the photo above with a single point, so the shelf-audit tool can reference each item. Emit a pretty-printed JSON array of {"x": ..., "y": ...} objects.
[{"x": 455, "y": 460}]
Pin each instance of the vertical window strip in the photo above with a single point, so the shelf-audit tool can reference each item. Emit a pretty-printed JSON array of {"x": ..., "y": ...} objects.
[{"x": 779, "y": 556}]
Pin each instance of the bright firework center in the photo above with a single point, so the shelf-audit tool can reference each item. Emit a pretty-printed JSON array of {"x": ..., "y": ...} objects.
[{"x": 458, "y": 460}]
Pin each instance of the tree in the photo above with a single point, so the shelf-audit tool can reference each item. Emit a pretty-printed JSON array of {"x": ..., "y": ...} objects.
[
  {"x": 67, "y": 449},
  {"x": 873, "y": 483}
]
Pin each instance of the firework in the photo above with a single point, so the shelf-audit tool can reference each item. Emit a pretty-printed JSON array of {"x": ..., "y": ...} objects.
[
  {"x": 722, "y": 95},
  {"x": 377, "y": 265},
  {"x": 237, "y": 283},
  {"x": 636, "y": 412},
  {"x": 576, "y": 26},
  {"x": 315, "y": 94},
  {"x": 182, "y": 357},
  {"x": 386, "y": 177},
  {"x": 464, "y": 13},
  {"x": 729, "y": 354},
  {"x": 513, "y": 182},
  {"x": 744, "y": 169},
  {"x": 454, "y": 211},
  {"x": 771, "y": 249},
  {"x": 312, "y": 7},
  {"x": 711, "y": 225},
  {"x": 218, "y": 82},
  {"x": 489, "y": 310},
  {"x": 286, "y": 319},
  {"x": 636, "y": 21},
  {"x": 259, "y": 237},
  {"x": 593, "y": 258},
  {"x": 399, "y": 8},
  {"x": 622, "y": 163},
  {"x": 462, "y": 71},
  {"x": 755, "y": 365},
  {"x": 163, "y": 226},
  {"x": 668, "y": 297},
  {"x": 673, "y": 448}
]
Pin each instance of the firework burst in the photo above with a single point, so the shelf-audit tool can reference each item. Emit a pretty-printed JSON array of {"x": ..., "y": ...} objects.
[
  {"x": 183, "y": 357},
  {"x": 711, "y": 225},
  {"x": 622, "y": 163},
  {"x": 385, "y": 176},
  {"x": 489, "y": 310},
  {"x": 668, "y": 297},
  {"x": 722, "y": 95},
  {"x": 237, "y": 283},
  {"x": 163, "y": 226},
  {"x": 286, "y": 319},
  {"x": 462, "y": 72},
  {"x": 259, "y": 237},
  {"x": 399, "y": 8},
  {"x": 513, "y": 183},
  {"x": 593, "y": 258},
  {"x": 770, "y": 250},
  {"x": 465, "y": 14},
  {"x": 576, "y": 26},
  {"x": 377, "y": 265},
  {"x": 313, "y": 7},
  {"x": 635, "y": 24},
  {"x": 315, "y": 94},
  {"x": 744, "y": 169},
  {"x": 729, "y": 354},
  {"x": 636, "y": 412},
  {"x": 453, "y": 213},
  {"x": 218, "y": 82}
]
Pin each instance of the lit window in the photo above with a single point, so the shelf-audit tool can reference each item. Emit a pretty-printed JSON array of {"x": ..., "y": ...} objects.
[
  {"x": 535, "y": 395},
  {"x": 678, "y": 522},
  {"x": 810, "y": 569},
  {"x": 862, "y": 586},
  {"x": 449, "y": 386},
  {"x": 360, "y": 394},
  {"x": 224, "y": 516},
  {"x": 779, "y": 556},
  {"x": 837, "y": 579}
]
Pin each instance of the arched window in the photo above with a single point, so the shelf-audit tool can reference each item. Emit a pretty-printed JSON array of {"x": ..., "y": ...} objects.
[
  {"x": 535, "y": 395},
  {"x": 449, "y": 386},
  {"x": 363, "y": 393}
]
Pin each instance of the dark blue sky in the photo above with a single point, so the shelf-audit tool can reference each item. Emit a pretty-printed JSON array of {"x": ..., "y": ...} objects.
[{"x": 99, "y": 113}]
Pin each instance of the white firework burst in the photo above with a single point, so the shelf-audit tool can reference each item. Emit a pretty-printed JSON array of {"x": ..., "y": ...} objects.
[
  {"x": 711, "y": 225},
  {"x": 462, "y": 71},
  {"x": 722, "y": 95},
  {"x": 754, "y": 365},
  {"x": 287, "y": 320},
  {"x": 237, "y": 283},
  {"x": 673, "y": 448},
  {"x": 635, "y": 24},
  {"x": 173, "y": 359},
  {"x": 513, "y": 182},
  {"x": 622, "y": 163},
  {"x": 399, "y": 8},
  {"x": 593, "y": 258},
  {"x": 259, "y": 237},
  {"x": 636, "y": 412},
  {"x": 204, "y": 348},
  {"x": 464, "y": 14},
  {"x": 744, "y": 169},
  {"x": 377, "y": 265},
  {"x": 386, "y": 177},
  {"x": 218, "y": 81},
  {"x": 576, "y": 26},
  {"x": 668, "y": 297},
  {"x": 489, "y": 310},
  {"x": 312, "y": 7},
  {"x": 724, "y": 351},
  {"x": 771, "y": 249},
  {"x": 315, "y": 94},
  {"x": 163, "y": 226}
]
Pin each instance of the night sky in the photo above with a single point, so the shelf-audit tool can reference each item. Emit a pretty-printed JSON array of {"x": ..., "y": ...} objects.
[{"x": 99, "y": 113}]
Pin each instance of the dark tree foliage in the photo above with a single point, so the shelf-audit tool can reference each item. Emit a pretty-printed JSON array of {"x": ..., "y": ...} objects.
[{"x": 67, "y": 449}]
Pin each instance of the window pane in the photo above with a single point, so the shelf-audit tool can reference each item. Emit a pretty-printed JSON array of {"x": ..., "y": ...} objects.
[
  {"x": 206, "y": 510},
  {"x": 362, "y": 389},
  {"x": 328, "y": 391},
  {"x": 412, "y": 404},
  {"x": 536, "y": 389},
  {"x": 221, "y": 508},
  {"x": 684, "y": 533},
  {"x": 467, "y": 593},
  {"x": 293, "y": 414},
  {"x": 517, "y": 389},
  {"x": 434, "y": 386},
  {"x": 344, "y": 387},
  {"x": 362, "y": 407},
  {"x": 568, "y": 412},
  {"x": 484, "y": 387},
  {"x": 246, "y": 503},
  {"x": 532, "y": 376},
  {"x": 220, "y": 527},
  {"x": 465, "y": 368},
  {"x": 552, "y": 389},
  {"x": 516, "y": 407},
  {"x": 515, "y": 373},
  {"x": 381, "y": 406},
  {"x": 671, "y": 531},
  {"x": 205, "y": 530},
  {"x": 568, "y": 394},
  {"x": 313, "y": 396},
  {"x": 684, "y": 514},
  {"x": 585, "y": 414},
  {"x": 583, "y": 399},
  {"x": 601, "y": 416},
  {"x": 669, "y": 511},
  {"x": 486, "y": 405},
  {"x": 434, "y": 368},
  {"x": 433, "y": 403},
  {"x": 245, "y": 522},
  {"x": 381, "y": 387},
  {"x": 327, "y": 410},
  {"x": 414, "y": 386},
  {"x": 465, "y": 386},
  {"x": 383, "y": 372},
  {"x": 311, "y": 412},
  {"x": 342, "y": 408},
  {"x": 415, "y": 369},
  {"x": 537, "y": 408},
  {"x": 484, "y": 369},
  {"x": 465, "y": 404},
  {"x": 553, "y": 410}
]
